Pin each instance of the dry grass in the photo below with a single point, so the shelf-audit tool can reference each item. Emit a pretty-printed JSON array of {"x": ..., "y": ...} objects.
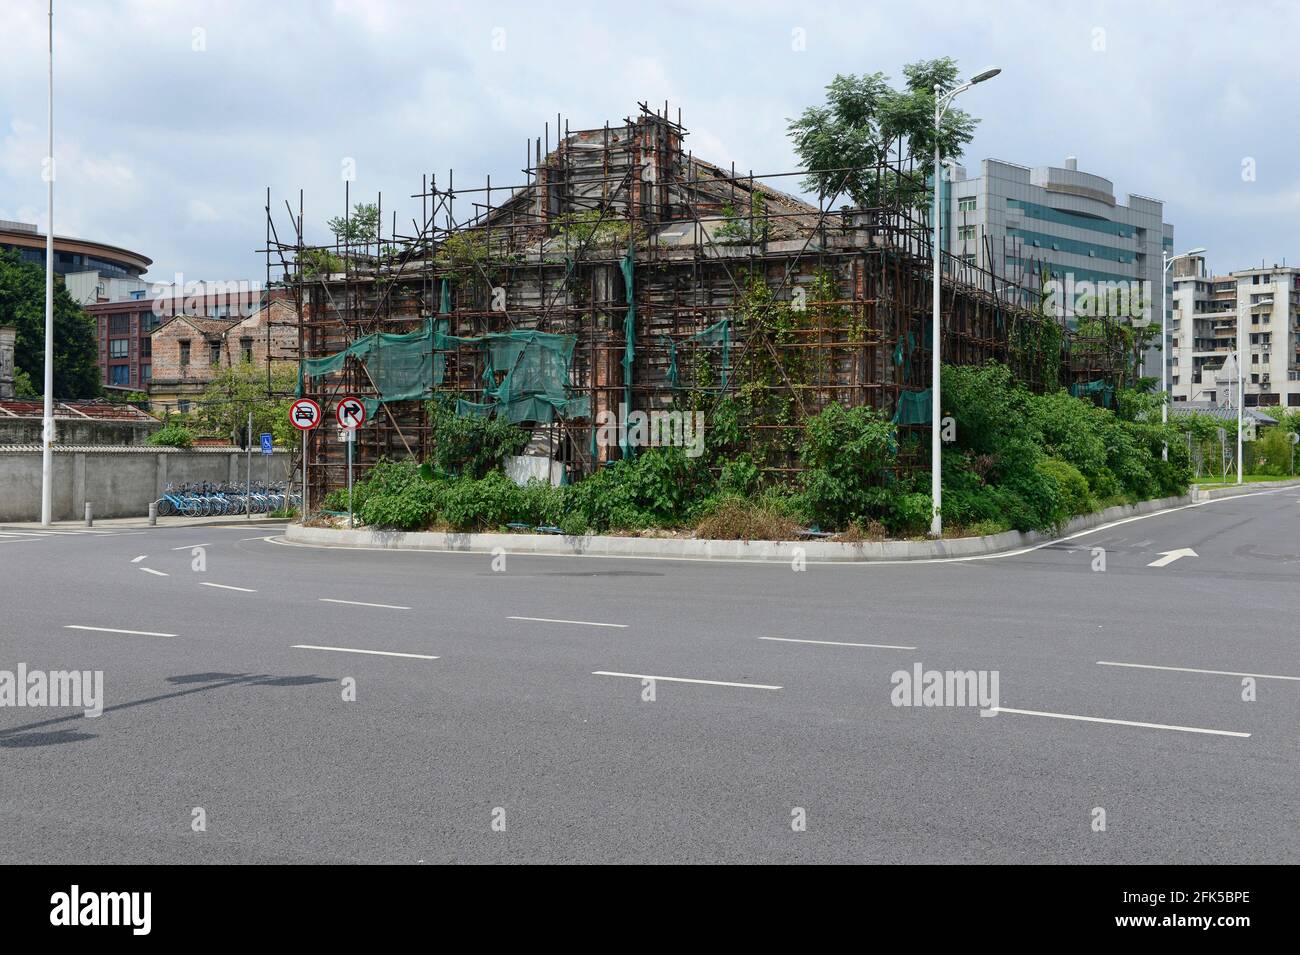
[{"x": 738, "y": 519}]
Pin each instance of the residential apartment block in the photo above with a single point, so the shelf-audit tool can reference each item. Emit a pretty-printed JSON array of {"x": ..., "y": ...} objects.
[
  {"x": 1264, "y": 305},
  {"x": 1012, "y": 219}
]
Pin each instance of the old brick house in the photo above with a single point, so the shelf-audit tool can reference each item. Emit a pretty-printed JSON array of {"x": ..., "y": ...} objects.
[{"x": 188, "y": 351}]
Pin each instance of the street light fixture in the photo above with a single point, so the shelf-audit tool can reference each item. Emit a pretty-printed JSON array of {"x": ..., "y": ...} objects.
[
  {"x": 942, "y": 101},
  {"x": 1167, "y": 260}
]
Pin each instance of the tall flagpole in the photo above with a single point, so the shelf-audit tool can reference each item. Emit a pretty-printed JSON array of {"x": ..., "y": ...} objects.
[{"x": 47, "y": 433}]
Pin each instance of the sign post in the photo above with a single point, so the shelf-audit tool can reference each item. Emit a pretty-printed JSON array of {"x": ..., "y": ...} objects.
[
  {"x": 304, "y": 414},
  {"x": 351, "y": 414},
  {"x": 268, "y": 448},
  {"x": 248, "y": 469}
]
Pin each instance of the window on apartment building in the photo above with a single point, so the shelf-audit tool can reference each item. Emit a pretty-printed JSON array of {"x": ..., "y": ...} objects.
[
  {"x": 119, "y": 325},
  {"x": 119, "y": 348},
  {"x": 967, "y": 204},
  {"x": 146, "y": 347},
  {"x": 185, "y": 353},
  {"x": 119, "y": 374},
  {"x": 966, "y": 232},
  {"x": 246, "y": 347},
  {"x": 214, "y": 353},
  {"x": 146, "y": 374}
]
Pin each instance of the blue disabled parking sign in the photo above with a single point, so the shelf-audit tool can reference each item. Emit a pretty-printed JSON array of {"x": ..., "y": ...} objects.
[{"x": 266, "y": 444}]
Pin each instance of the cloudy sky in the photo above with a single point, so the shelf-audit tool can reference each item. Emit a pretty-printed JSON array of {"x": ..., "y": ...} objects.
[{"x": 172, "y": 118}]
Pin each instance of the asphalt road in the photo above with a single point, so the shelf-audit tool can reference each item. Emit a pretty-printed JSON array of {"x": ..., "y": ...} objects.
[{"x": 478, "y": 736}]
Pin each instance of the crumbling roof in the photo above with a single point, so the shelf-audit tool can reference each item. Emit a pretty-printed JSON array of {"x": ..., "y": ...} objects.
[{"x": 95, "y": 409}]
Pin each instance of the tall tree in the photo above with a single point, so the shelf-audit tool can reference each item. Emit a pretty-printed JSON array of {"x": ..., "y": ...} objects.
[
  {"x": 862, "y": 123},
  {"x": 76, "y": 349}
]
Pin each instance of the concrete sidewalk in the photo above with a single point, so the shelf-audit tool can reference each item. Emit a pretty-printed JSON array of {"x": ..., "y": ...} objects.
[{"x": 123, "y": 523}]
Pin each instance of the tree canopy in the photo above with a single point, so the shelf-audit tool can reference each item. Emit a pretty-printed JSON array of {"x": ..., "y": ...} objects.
[
  {"x": 76, "y": 349},
  {"x": 864, "y": 121}
]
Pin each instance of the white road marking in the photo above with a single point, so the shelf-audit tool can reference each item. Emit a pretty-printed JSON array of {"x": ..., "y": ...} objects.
[
  {"x": 247, "y": 590},
  {"x": 156, "y": 573},
  {"x": 136, "y": 560},
  {"x": 266, "y": 537},
  {"x": 378, "y": 653},
  {"x": 1169, "y": 556},
  {"x": 837, "y": 643},
  {"x": 192, "y": 546},
  {"x": 138, "y": 633},
  {"x": 581, "y": 623},
  {"x": 362, "y": 603},
  {"x": 1152, "y": 666},
  {"x": 682, "y": 679},
  {"x": 21, "y": 540},
  {"x": 1099, "y": 719}
]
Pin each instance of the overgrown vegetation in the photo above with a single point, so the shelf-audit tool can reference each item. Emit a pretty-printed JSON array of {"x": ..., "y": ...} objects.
[
  {"x": 172, "y": 436},
  {"x": 863, "y": 119},
  {"x": 1020, "y": 461}
]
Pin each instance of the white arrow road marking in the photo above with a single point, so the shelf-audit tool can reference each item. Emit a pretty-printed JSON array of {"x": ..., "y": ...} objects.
[
  {"x": 682, "y": 679},
  {"x": 1167, "y": 557},
  {"x": 1100, "y": 719}
]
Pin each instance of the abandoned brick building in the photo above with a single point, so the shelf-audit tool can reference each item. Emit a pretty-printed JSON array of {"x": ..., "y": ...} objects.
[{"x": 628, "y": 273}]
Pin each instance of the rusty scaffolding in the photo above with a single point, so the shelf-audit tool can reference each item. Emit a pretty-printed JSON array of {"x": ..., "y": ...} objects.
[{"x": 739, "y": 292}]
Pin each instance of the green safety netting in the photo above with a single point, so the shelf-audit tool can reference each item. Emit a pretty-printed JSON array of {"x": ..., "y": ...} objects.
[
  {"x": 718, "y": 334},
  {"x": 1098, "y": 385},
  {"x": 913, "y": 407},
  {"x": 627, "y": 265},
  {"x": 400, "y": 366},
  {"x": 536, "y": 375}
]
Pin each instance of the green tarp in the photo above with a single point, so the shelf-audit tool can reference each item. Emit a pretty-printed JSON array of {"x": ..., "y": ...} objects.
[
  {"x": 913, "y": 407},
  {"x": 401, "y": 366},
  {"x": 716, "y": 335}
]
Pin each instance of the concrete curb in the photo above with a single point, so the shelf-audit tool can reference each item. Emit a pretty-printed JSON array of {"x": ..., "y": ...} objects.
[
  {"x": 1209, "y": 494},
  {"x": 651, "y": 547}
]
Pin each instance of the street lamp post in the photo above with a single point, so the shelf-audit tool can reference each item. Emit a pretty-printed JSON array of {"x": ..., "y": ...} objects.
[
  {"x": 47, "y": 423},
  {"x": 942, "y": 101},
  {"x": 1241, "y": 387},
  {"x": 1167, "y": 260}
]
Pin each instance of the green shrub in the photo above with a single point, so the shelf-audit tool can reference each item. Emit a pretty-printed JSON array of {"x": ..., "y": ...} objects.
[
  {"x": 1271, "y": 452},
  {"x": 470, "y": 446},
  {"x": 1074, "y": 496},
  {"x": 172, "y": 436},
  {"x": 489, "y": 503},
  {"x": 845, "y": 454}
]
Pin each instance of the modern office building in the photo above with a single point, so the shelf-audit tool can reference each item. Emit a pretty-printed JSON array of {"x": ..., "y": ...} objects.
[
  {"x": 1015, "y": 220},
  {"x": 73, "y": 256},
  {"x": 1264, "y": 303}
]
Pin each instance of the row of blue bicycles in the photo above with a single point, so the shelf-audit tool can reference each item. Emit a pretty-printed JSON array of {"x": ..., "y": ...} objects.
[{"x": 209, "y": 499}]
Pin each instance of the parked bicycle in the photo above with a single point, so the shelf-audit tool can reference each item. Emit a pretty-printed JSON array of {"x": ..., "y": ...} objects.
[{"x": 208, "y": 499}]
